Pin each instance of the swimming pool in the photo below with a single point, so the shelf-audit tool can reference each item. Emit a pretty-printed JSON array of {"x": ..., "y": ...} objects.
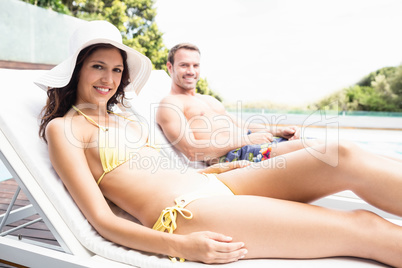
[
  {"x": 381, "y": 134},
  {"x": 388, "y": 142}
]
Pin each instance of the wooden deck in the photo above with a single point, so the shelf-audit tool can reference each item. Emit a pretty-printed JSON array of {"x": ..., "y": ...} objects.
[{"x": 37, "y": 232}]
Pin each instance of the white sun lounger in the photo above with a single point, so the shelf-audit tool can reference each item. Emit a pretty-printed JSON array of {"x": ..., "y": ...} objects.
[{"x": 25, "y": 155}]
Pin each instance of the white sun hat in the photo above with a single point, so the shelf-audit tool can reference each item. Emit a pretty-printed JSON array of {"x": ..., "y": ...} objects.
[{"x": 96, "y": 32}]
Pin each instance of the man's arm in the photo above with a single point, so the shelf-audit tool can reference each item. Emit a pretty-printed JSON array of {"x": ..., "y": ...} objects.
[
  {"x": 288, "y": 132},
  {"x": 176, "y": 128},
  {"x": 253, "y": 127}
]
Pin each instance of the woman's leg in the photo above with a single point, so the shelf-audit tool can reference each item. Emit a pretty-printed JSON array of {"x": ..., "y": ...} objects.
[
  {"x": 309, "y": 174},
  {"x": 273, "y": 228},
  {"x": 294, "y": 145},
  {"x": 399, "y": 160},
  {"x": 286, "y": 147}
]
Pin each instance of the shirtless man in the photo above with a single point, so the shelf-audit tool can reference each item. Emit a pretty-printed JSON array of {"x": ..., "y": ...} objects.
[{"x": 200, "y": 127}]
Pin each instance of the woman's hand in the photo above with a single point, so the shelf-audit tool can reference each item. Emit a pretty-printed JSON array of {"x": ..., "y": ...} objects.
[
  {"x": 223, "y": 167},
  {"x": 209, "y": 247}
]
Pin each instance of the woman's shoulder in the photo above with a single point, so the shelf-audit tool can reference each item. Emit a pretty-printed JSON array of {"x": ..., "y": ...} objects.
[
  {"x": 55, "y": 127},
  {"x": 55, "y": 124},
  {"x": 64, "y": 131},
  {"x": 61, "y": 126},
  {"x": 67, "y": 121}
]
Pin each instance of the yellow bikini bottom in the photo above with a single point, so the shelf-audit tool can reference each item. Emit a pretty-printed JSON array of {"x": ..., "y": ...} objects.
[{"x": 167, "y": 219}]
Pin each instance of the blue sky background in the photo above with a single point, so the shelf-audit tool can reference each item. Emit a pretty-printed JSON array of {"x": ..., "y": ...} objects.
[{"x": 287, "y": 51}]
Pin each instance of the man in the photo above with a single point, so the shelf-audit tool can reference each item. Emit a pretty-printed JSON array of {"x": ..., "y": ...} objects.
[{"x": 200, "y": 127}]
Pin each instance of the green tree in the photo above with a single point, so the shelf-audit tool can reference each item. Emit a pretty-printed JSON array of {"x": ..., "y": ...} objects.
[
  {"x": 379, "y": 91},
  {"x": 134, "y": 18},
  {"x": 335, "y": 101},
  {"x": 55, "y": 5},
  {"x": 364, "y": 98},
  {"x": 386, "y": 71},
  {"x": 396, "y": 86},
  {"x": 203, "y": 88}
]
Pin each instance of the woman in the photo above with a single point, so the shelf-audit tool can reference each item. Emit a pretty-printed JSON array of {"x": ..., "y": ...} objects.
[{"x": 99, "y": 154}]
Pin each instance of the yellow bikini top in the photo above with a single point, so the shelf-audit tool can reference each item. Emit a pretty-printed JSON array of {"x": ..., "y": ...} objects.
[{"x": 111, "y": 154}]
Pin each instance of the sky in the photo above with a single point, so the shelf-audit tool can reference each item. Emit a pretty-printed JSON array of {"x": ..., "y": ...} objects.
[{"x": 290, "y": 52}]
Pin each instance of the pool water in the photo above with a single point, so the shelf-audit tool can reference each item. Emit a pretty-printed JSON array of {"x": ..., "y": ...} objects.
[{"x": 388, "y": 142}]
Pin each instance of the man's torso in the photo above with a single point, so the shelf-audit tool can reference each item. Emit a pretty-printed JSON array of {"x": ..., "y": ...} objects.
[{"x": 208, "y": 118}]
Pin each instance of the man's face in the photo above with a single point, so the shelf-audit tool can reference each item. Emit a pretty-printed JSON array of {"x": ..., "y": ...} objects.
[{"x": 186, "y": 69}]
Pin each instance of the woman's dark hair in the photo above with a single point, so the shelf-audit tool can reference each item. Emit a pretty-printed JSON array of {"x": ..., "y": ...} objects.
[{"x": 60, "y": 100}]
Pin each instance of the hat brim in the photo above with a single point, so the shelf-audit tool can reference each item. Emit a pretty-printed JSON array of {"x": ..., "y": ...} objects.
[{"x": 139, "y": 67}]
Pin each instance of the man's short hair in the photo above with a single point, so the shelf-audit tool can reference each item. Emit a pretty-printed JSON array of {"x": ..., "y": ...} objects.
[{"x": 174, "y": 49}]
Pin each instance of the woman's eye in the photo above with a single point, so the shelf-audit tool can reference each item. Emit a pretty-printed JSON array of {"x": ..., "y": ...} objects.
[
  {"x": 96, "y": 66},
  {"x": 117, "y": 70}
]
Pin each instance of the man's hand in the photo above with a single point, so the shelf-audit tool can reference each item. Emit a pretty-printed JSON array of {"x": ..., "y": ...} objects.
[
  {"x": 259, "y": 137},
  {"x": 290, "y": 133}
]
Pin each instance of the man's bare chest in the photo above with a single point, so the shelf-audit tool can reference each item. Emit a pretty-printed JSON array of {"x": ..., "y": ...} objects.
[
  {"x": 193, "y": 112},
  {"x": 195, "y": 108}
]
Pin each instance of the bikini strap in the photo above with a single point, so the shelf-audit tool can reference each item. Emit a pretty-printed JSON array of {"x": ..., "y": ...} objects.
[
  {"x": 90, "y": 119},
  {"x": 106, "y": 129},
  {"x": 132, "y": 120},
  {"x": 122, "y": 116}
]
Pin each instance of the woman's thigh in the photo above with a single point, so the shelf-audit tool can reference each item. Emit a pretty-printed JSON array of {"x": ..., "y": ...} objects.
[
  {"x": 297, "y": 176},
  {"x": 293, "y": 145},
  {"x": 274, "y": 228}
]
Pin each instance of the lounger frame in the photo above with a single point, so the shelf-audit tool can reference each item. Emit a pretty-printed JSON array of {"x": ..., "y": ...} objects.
[{"x": 31, "y": 253}]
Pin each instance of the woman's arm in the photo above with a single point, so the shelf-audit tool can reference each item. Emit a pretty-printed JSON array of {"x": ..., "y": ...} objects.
[{"x": 67, "y": 154}]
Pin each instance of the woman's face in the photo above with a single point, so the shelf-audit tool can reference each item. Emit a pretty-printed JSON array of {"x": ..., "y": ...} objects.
[{"x": 100, "y": 76}]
